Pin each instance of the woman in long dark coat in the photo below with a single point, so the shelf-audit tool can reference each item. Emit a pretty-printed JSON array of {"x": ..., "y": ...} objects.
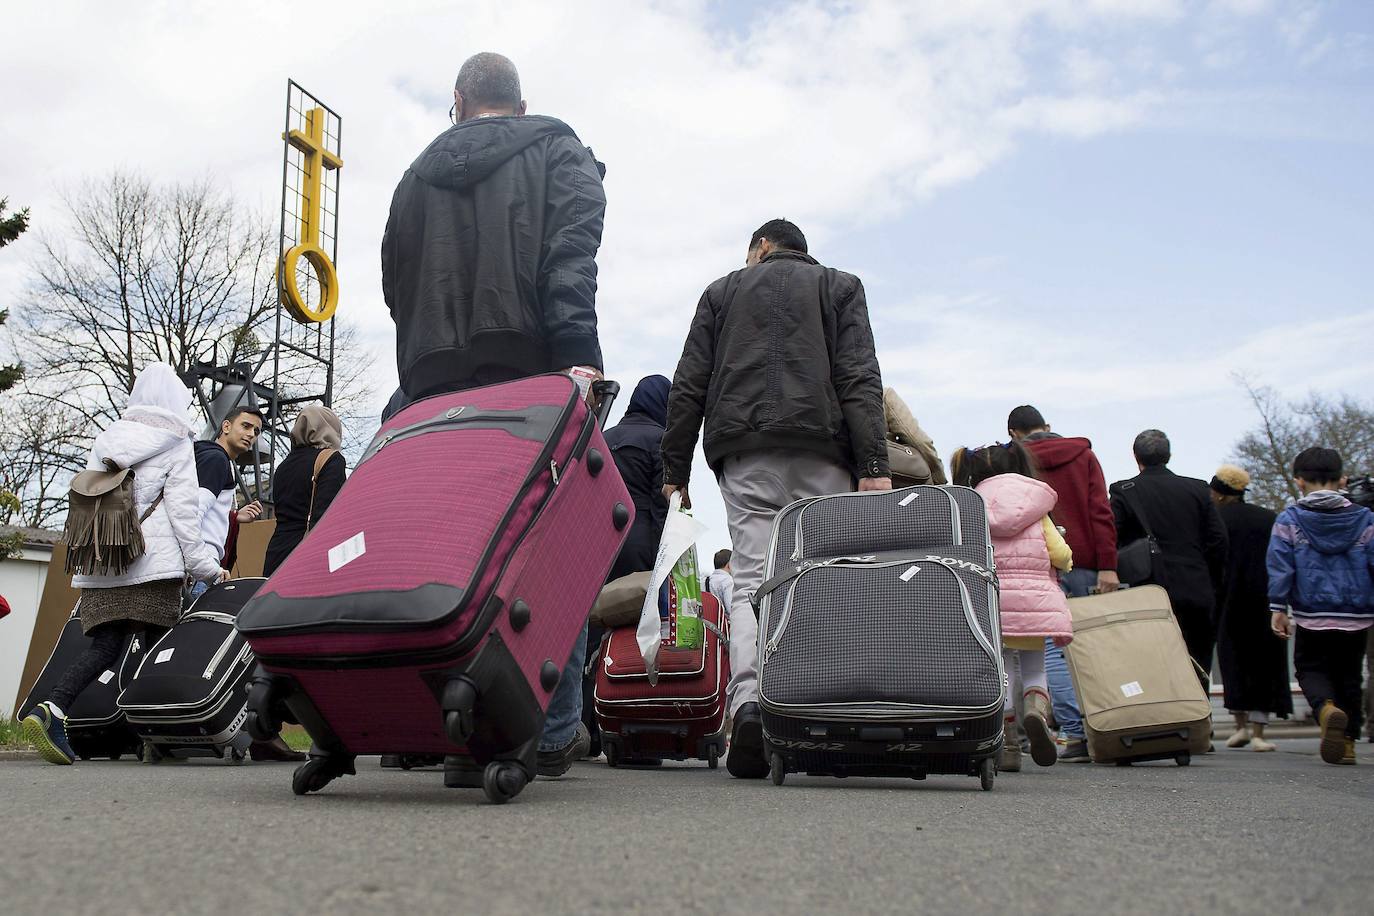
[
  {"x": 301, "y": 491},
  {"x": 1254, "y": 662}
]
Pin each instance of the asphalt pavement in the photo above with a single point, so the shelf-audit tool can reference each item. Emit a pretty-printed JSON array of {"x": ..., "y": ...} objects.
[{"x": 1236, "y": 832}]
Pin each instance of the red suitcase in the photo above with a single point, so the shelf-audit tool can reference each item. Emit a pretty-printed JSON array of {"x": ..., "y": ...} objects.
[
  {"x": 432, "y": 609},
  {"x": 680, "y": 718}
]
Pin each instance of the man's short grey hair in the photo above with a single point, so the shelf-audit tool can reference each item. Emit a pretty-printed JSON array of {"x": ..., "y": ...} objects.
[
  {"x": 489, "y": 79},
  {"x": 1152, "y": 448}
]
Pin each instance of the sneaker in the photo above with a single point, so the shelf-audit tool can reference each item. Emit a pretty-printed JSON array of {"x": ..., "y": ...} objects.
[
  {"x": 1348, "y": 758},
  {"x": 1332, "y": 721},
  {"x": 1035, "y": 722},
  {"x": 1259, "y": 744},
  {"x": 1240, "y": 738},
  {"x": 557, "y": 762},
  {"x": 746, "y": 759},
  {"x": 1010, "y": 761},
  {"x": 1075, "y": 751},
  {"x": 46, "y": 729}
]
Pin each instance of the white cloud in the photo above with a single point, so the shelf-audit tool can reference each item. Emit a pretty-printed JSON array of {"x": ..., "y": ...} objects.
[{"x": 836, "y": 116}]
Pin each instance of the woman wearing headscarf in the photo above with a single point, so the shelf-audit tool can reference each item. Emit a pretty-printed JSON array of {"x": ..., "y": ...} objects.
[
  {"x": 152, "y": 438},
  {"x": 1253, "y": 661},
  {"x": 306, "y": 482}
]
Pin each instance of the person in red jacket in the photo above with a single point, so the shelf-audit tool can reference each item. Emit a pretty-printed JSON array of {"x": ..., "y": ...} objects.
[{"x": 1085, "y": 513}]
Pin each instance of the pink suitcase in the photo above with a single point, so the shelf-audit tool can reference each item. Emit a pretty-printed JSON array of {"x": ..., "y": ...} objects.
[{"x": 432, "y": 609}]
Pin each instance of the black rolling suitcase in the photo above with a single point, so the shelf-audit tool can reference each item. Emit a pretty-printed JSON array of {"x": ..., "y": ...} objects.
[
  {"x": 96, "y": 726},
  {"x": 189, "y": 697},
  {"x": 879, "y": 646}
]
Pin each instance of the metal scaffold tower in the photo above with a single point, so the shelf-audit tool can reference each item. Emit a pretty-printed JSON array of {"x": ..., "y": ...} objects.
[{"x": 297, "y": 366}]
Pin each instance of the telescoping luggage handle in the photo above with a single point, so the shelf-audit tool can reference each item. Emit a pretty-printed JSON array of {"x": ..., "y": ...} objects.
[{"x": 606, "y": 392}]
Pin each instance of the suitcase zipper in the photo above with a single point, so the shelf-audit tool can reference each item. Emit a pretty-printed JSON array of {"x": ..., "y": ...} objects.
[
  {"x": 452, "y": 418},
  {"x": 219, "y": 654}
]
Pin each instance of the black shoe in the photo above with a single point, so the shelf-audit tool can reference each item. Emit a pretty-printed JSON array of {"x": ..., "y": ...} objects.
[
  {"x": 557, "y": 762},
  {"x": 746, "y": 759},
  {"x": 276, "y": 751}
]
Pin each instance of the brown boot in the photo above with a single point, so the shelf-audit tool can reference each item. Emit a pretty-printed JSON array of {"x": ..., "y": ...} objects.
[
  {"x": 1010, "y": 761},
  {"x": 1035, "y": 721},
  {"x": 1348, "y": 758},
  {"x": 275, "y": 750},
  {"x": 1332, "y": 721}
]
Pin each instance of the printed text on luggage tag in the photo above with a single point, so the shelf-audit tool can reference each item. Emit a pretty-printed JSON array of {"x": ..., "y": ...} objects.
[
  {"x": 164, "y": 655},
  {"x": 347, "y": 552},
  {"x": 106, "y": 677},
  {"x": 1133, "y": 689}
]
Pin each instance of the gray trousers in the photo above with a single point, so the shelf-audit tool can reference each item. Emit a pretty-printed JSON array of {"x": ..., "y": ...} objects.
[{"x": 755, "y": 485}]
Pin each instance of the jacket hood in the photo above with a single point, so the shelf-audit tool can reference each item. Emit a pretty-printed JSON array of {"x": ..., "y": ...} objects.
[
  {"x": 651, "y": 399},
  {"x": 467, "y": 153},
  {"x": 1015, "y": 502},
  {"x": 130, "y": 442},
  {"x": 1056, "y": 451},
  {"x": 1331, "y": 522}
]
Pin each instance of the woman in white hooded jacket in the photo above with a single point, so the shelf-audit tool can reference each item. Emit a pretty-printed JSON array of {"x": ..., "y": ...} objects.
[{"x": 152, "y": 437}]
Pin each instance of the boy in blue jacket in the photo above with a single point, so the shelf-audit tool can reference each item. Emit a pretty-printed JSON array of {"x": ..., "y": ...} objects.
[{"x": 1321, "y": 566}]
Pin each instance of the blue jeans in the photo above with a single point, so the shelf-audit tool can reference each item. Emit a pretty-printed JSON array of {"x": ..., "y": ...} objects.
[
  {"x": 1075, "y": 584},
  {"x": 198, "y": 589},
  {"x": 565, "y": 706}
]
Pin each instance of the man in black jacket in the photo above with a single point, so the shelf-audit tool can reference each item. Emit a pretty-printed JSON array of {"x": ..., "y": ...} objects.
[
  {"x": 780, "y": 364},
  {"x": 489, "y": 256},
  {"x": 1191, "y": 535},
  {"x": 489, "y": 270}
]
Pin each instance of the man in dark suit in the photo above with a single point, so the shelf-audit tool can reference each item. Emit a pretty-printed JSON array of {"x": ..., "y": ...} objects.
[{"x": 1191, "y": 537}]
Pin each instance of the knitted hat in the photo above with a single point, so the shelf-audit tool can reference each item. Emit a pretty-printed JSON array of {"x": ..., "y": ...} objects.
[{"x": 1230, "y": 480}]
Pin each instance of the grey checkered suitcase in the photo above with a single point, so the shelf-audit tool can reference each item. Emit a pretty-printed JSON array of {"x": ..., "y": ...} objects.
[{"x": 879, "y": 644}]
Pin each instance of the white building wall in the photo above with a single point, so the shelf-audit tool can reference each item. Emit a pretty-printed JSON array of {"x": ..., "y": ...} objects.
[{"x": 21, "y": 582}]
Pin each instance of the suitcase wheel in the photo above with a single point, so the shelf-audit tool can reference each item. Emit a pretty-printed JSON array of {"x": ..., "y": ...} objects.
[
  {"x": 316, "y": 773},
  {"x": 777, "y": 770},
  {"x": 236, "y": 755},
  {"x": 612, "y": 754},
  {"x": 1123, "y": 763},
  {"x": 502, "y": 781},
  {"x": 459, "y": 704},
  {"x": 987, "y": 773},
  {"x": 712, "y": 757},
  {"x": 116, "y": 755},
  {"x": 1183, "y": 759}
]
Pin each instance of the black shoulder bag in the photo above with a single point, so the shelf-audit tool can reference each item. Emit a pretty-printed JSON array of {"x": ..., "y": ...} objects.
[{"x": 1135, "y": 562}]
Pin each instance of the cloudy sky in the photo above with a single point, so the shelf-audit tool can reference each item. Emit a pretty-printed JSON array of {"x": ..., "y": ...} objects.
[{"x": 1101, "y": 207}]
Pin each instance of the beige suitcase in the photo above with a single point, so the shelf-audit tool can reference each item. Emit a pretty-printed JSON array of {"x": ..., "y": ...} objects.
[{"x": 1137, "y": 687}]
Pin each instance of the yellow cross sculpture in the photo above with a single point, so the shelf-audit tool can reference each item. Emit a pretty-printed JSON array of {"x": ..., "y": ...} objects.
[{"x": 317, "y": 159}]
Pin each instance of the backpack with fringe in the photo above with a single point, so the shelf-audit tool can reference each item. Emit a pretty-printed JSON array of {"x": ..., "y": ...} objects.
[
  {"x": 104, "y": 533},
  {"x": 910, "y": 450}
]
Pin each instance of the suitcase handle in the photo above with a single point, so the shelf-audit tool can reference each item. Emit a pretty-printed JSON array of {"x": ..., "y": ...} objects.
[
  {"x": 605, "y": 391},
  {"x": 1179, "y": 733},
  {"x": 679, "y": 731}
]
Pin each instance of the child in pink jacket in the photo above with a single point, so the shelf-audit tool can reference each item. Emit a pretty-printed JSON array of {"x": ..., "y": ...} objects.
[{"x": 1027, "y": 548}]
